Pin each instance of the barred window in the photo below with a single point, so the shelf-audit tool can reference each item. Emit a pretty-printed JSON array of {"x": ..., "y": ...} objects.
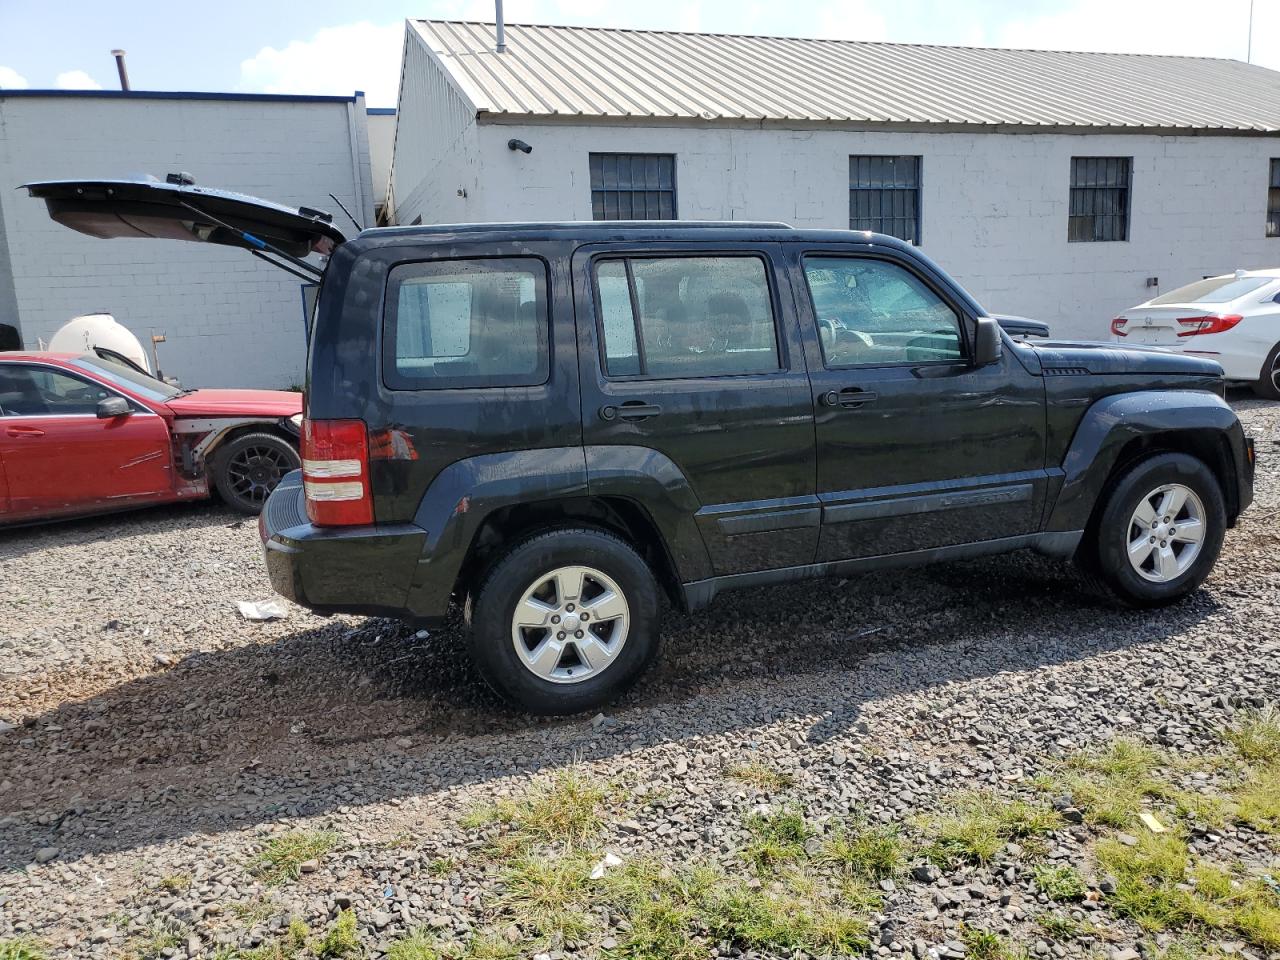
[
  {"x": 1273, "y": 200},
  {"x": 1099, "y": 199},
  {"x": 633, "y": 186},
  {"x": 884, "y": 196}
]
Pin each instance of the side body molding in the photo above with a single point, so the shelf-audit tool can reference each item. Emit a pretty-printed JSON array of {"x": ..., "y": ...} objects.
[
  {"x": 1113, "y": 421},
  {"x": 464, "y": 493},
  {"x": 653, "y": 481}
]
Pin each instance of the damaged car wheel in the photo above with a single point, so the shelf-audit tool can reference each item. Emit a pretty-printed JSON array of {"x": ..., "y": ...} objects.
[{"x": 247, "y": 468}]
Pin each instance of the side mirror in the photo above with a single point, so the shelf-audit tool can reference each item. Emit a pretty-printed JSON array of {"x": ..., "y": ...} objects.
[
  {"x": 987, "y": 345},
  {"x": 112, "y": 407}
]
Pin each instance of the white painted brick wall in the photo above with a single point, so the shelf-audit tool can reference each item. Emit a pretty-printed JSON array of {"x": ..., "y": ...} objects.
[
  {"x": 229, "y": 319},
  {"x": 994, "y": 205}
]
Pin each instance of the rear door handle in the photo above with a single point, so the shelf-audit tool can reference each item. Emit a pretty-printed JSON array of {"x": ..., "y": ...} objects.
[
  {"x": 16, "y": 431},
  {"x": 849, "y": 397},
  {"x": 631, "y": 411}
]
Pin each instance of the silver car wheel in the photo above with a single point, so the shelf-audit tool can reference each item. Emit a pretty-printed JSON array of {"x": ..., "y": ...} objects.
[
  {"x": 570, "y": 625},
  {"x": 1166, "y": 532}
]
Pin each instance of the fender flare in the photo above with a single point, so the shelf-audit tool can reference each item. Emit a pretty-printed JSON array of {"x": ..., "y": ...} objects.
[
  {"x": 1112, "y": 422},
  {"x": 465, "y": 493}
]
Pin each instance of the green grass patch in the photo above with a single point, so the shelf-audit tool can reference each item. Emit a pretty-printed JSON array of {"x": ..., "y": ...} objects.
[
  {"x": 985, "y": 945},
  {"x": 342, "y": 939},
  {"x": 1061, "y": 883},
  {"x": 175, "y": 883},
  {"x": 21, "y": 948},
  {"x": 757, "y": 920},
  {"x": 282, "y": 857},
  {"x": 1109, "y": 786},
  {"x": 549, "y": 895},
  {"x": 1258, "y": 800},
  {"x": 1209, "y": 809},
  {"x": 566, "y": 809},
  {"x": 1160, "y": 886},
  {"x": 1256, "y": 736},
  {"x": 1062, "y": 928},
  {"x": 675, "y": 913},
  {"x": 776, "y": 837},
  {"x": 974, "y": 827},
  {"x": 866, "y": 852},
  {"x": 760, "y": 776}
]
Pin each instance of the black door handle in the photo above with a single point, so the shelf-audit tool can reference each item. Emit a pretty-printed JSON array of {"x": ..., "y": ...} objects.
[
  {"x": 849, "y": 397},
  {"x": 631, "y": 411}
]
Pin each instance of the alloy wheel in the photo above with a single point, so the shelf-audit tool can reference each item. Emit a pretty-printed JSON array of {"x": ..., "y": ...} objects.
[
  {"x": 1165, "y": 533},
  {"x": 570, "y": 624},
  {"x": 255, "y": 470}
]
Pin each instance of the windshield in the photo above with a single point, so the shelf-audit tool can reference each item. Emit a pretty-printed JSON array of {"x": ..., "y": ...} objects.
[
  {"x": 123, "y": 375},
  {"x": 1214, "y": 290}
]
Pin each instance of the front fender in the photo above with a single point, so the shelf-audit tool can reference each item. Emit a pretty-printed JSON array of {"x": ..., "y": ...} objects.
[{"x": 1112, "y": 422}]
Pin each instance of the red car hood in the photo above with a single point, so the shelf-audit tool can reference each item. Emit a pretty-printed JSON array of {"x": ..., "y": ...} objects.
[{"x": 237, "y": 403}]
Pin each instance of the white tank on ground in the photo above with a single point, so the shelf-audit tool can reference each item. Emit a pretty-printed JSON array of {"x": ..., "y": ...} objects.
[{"x": 82, "y": 334}]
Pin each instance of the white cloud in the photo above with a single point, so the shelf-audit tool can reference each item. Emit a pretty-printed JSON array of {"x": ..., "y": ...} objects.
[
  {"x": 336, "y": 60},
  {"x": 12, "y": 79},
  {"x": 76, "y": 80}
]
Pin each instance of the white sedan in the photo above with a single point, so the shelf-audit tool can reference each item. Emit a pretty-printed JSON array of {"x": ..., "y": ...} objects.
[{"x": 1234, "y": 319}]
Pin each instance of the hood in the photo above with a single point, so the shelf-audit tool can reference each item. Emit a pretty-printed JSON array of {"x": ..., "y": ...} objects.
[
  {"x": 237, "y": 403},
  {"x": 1065, "y": 357}
]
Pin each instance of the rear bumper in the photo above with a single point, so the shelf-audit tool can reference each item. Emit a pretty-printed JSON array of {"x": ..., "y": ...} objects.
[{"x": 365, "y": 570}]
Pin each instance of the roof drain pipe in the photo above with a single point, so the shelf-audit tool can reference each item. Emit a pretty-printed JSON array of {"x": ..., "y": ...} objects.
[{"x": 502, "y": 34}]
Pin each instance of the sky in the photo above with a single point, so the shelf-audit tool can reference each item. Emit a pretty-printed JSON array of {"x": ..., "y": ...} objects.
[{"x": 332, "y": 47}]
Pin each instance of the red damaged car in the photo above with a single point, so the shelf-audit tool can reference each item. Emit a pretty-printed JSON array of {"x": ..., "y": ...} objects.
[{"x": 95, "y": 433}]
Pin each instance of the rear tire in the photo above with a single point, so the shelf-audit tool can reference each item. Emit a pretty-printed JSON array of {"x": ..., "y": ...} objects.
[
  {"x": 565, "y": 621},
  {"x": 1159, "y": 531},
  {"x": 1267, "y": 385},
  {"x": 247, "y": 468}
]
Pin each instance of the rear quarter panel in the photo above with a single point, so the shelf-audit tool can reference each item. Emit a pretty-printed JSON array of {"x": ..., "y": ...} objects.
[{"x": 442, "y": 426}]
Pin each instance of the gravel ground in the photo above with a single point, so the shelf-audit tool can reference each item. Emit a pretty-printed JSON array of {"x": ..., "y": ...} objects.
[{"x": 148, "y": 732}]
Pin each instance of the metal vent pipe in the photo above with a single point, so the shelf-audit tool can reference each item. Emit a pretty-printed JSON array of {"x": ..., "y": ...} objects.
[
  {"x": 502, "y": 35},
  {"x": 124, "y": 74}
]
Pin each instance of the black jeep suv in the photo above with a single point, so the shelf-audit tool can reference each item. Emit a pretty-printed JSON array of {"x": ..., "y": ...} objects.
[{"x": 555, "y": 426}]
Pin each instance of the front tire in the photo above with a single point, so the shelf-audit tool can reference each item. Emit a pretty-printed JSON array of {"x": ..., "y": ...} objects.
[
  {"x": 247, "y": 468},
  {"x": 1159, "y": 532},
  {"x": 1267, "y": 385},
  {"x": 565, "y": 621}
]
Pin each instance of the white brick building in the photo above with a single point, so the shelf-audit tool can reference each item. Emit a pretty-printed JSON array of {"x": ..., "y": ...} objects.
[
  {"x": 229, "y": 319},
  {"x": 984, "y": 146}
]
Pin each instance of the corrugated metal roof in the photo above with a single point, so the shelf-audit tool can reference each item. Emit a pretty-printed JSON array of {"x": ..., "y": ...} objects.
[{"x": 605, "y": 73}]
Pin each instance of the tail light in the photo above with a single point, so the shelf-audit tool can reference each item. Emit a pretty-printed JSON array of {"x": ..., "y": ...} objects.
[
  {"x": 335, "y": 472},
  {"x": 1117, "y": 326},
  {"x": 1198, "y": 326}
]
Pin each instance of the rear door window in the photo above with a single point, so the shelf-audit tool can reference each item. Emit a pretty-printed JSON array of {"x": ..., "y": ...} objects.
[
  {"x": 466, "y": 323},
  {"x": 671, "y": 317}
]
